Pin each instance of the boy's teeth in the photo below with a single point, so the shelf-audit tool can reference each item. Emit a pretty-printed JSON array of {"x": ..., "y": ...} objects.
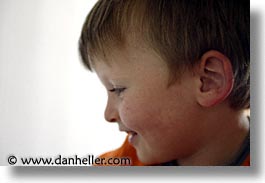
[{"x": 131, "y": 136}]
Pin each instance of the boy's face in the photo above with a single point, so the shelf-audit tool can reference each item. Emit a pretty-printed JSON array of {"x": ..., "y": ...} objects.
[{"x": 161, "y": 121}]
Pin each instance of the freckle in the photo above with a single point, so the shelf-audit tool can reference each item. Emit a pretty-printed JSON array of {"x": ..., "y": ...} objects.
[{"x": 127, "y": 109}]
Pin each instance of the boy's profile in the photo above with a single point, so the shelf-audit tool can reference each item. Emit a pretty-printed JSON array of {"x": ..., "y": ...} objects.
[{"x": 177, "y": 75}]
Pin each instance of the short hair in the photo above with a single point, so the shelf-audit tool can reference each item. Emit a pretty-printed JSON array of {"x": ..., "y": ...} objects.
[{"x": 180, "y": 31}]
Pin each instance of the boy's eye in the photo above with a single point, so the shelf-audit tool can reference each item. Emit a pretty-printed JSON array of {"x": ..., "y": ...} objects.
[{"x": 117, "y": 91}]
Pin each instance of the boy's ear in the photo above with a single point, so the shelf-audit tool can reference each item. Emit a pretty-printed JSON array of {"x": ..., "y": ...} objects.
[{"x": 215, "y": 78}]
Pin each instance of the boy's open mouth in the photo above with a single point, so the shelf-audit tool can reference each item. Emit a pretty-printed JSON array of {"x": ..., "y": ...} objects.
[{"x": 131, "y": 134}]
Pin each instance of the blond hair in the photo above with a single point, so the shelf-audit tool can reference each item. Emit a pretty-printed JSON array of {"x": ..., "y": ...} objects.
[{"x": 180, "y": 31}]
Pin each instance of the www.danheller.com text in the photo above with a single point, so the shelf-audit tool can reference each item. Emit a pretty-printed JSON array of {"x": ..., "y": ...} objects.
[{"x": 74, "y": 160}]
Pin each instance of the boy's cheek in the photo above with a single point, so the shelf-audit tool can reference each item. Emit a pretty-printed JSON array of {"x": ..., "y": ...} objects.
[
  {"x": 130, "y": 116},
  {"x": 139, "y": 117}
]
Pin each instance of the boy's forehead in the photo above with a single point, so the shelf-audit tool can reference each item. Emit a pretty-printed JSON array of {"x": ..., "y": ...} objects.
[
  {"x": 113, "y": 62},
  {"x": 124, "y": 55},
  {"x": 129, "y": 60},
  {"x": 113, "y": 70}
]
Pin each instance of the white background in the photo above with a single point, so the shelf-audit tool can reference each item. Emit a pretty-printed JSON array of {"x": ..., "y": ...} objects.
[{"x": 50, "y": 104}]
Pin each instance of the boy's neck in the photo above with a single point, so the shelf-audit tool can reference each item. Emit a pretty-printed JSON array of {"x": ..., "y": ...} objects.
[{"x": 222, "y": 146}]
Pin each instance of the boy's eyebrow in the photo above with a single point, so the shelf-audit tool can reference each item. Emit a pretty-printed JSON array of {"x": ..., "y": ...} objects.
[{"x": 120, "y": 77}]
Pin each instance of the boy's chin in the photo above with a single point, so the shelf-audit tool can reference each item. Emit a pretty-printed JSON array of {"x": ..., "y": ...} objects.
[{"x": 148, "y": 158}]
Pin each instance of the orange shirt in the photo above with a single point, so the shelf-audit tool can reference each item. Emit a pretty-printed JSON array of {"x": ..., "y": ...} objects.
[{"x": 126, "y": 150}]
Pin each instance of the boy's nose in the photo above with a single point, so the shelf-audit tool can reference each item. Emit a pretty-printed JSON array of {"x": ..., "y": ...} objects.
[{"x": 111, "y": 113}]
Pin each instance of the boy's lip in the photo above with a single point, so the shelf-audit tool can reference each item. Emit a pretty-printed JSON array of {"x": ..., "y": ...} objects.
[
  {"x": 127, "y": 130},
  {"x": 131, "y": 137},
  {"x": 131, "y": 134}
]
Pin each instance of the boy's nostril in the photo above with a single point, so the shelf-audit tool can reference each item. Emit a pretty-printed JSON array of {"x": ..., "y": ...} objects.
[
  {"x": 111, "y": 116},
  {"x": 112, "y": 120}
]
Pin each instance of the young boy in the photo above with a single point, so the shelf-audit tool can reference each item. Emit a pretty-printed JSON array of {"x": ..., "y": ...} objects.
[{"x": 177, "y": 75}]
